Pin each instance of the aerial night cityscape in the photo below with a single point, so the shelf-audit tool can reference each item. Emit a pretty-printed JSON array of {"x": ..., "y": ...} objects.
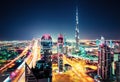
[{"x": 59, "y": 41}]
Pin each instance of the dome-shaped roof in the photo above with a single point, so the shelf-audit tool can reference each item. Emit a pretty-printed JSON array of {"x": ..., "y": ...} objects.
[
  {"x": 60, "y": 36},
  {"x": 46, "y": 37}
]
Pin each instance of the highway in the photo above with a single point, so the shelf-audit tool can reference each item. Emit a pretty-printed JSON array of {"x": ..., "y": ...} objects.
[
  {"x": 5, "y": 67},
  {"x": 35, "y": 56},
  {"x": 30, "y": 60},
  {"x": 77, "y": 74}
]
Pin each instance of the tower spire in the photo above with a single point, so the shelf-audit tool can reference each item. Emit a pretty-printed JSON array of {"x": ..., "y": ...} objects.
[
  {"x": 76, "y": 15},
  {"x": 77, "y": 29}
]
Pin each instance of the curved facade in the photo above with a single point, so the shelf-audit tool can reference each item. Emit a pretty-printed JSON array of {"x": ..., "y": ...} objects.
[{"x": 46, "y": 41}]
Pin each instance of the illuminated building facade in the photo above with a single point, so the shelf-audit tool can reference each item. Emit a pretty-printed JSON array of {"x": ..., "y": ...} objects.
[
  {"x": 46, "y": 42},
  {"x": 118, "y": 69},
  {"x": 77, "y": 31},
  {"x": 105, "y": 60},
  {"x": 60, "y": 44},
  {"x": 45, "y": 63}
]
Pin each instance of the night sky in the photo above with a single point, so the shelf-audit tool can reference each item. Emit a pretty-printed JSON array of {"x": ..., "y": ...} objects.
[{"x": 26, "y": 19}]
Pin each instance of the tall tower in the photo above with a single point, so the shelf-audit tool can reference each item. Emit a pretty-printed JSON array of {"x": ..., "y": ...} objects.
[
  {"x": 118, "y": 68},
  {"x": 117, "y": 63},
  {"x": 77, "y": 30},
  {"x": 60, "y": 52},
  {"x": 104, "y": 61}
]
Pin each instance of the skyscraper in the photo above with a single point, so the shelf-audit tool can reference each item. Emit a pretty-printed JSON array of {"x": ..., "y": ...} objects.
[
  {"x": 77, "y": 30},
  {"x": 60, "y": 52},
  {"x": 104, "y": 61},
  {"x": 118, "y": 69}
]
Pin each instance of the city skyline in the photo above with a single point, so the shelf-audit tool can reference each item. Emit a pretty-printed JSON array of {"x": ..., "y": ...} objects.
[{"x": 24, "y": 20}]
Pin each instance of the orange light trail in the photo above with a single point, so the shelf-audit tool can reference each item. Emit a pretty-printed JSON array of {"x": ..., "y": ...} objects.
[
  {"x": 77, "y": 74},
  {"x": 12, "y": 61}
]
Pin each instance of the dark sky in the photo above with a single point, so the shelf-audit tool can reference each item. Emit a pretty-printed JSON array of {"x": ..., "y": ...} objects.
[{"x": 25, "y": 19}]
